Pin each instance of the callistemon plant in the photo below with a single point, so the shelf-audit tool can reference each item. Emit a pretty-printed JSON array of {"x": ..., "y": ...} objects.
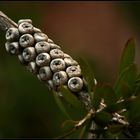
[{"x": 112, "y": 112}]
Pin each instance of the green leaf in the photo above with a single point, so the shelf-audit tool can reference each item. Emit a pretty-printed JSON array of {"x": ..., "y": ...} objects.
[
  {"x": 127, "y": 76},
  {"x": 128, "y": 55},
  {"x": 115, "y": 107},
  {"x": 104, "y": 91},
  {"x": 71, "y": 98},
  {"x": 126, "y": 91},
  {"x": 60, "y": 105},
  {"x": 134, "y": 110},
  {"x": 102, "y": 118},
  {"x": 69, "y": 104},
  {"x": 137, "y": 85},
  {"x": 88, "y": 75}
]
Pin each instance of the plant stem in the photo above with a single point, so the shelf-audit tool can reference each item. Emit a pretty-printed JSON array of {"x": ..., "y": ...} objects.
[{"x": 6, "y": 22}]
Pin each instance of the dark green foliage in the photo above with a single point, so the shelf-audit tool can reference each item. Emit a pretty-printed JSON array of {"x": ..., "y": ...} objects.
[
  {"x": 134, "y": 110},
  {"x": 126, "y": 89},
  {"x": 102, "y": 118},
  {"x": 126, "y": 80},
  {"x": 128, "y": 55},
  {"x": 104, "y": 91},
  {"x": 117, "y": 113},
  {"x": 69, "y": 104},
  {"x": 88, "y": 75}
]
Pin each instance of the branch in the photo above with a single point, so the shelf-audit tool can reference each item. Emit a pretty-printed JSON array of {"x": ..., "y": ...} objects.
[{"x": 6, "y": 22}]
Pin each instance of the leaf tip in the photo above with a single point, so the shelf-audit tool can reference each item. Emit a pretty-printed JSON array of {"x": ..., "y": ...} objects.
[{"x": 131, "y": 39}]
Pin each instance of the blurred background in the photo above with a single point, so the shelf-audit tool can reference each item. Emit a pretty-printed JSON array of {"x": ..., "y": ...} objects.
[{"x": 94, "y": 30}]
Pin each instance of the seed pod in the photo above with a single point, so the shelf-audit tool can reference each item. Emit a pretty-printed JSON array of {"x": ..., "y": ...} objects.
[
  {"x": 57, "y": 64},
  {"x": 60, "y": 78},
  {"x": 29, "y": 54},
  {"x": 56, "y": 53},
  {"x": 70, "y": 62},
  {"x": 24, "y": 20},
  {"x": 50, "y": 40},
  {"x": 42, "y": 46},
  {"x": 45, "y": 73},
  {"x": 21, "y": 59},
  {"x": 50, "y": 85},
  {"x": 54, "y": 46},
  {"x": 12, "y": 34},
  {"x": 40, "y": 37},
  {"x": 32, "y": 67},
  {"x": 26, "y": 40},
  {"x": 43, "y": 59},
  {"x": 73, "y": 71},
  {"x": 66, "y": 55},
  {"x": 12, "y": 48},
  {"x": 36, "y": 30},
  {"x": 75, "y": 84},
  {"x": 25, "y": 27}
]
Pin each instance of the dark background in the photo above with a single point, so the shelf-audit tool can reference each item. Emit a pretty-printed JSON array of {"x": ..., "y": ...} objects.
[{"x": 94, "y": 30}]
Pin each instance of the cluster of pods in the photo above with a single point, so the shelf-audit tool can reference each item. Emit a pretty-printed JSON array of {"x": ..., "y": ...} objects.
[{"x": 42, "y": 57}]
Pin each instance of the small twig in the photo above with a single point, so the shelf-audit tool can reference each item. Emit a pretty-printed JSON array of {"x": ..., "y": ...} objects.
[
  {"x": 88, "y": 116},
  {"x": 6, "y": 22},
  {"x": 101, "y": 106}
]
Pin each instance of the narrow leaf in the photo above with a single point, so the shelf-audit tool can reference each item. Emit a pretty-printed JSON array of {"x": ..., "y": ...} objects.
[
  {"x": 128, "y": 55},
  {"x": 71, "y": 98},
  {"x": 88, "y": 75},
  {"x": 115, "y": 107},
  {"x": 106, "y": 92},
  {"x": 102, "y": 118},
  {"x": 137, "y": 85},
  {"x": 60, "y": 105},
  {"x": 127, "y": 76},
  {"x": 126, "y": 91},
  {"x": 134, "y": 110}
]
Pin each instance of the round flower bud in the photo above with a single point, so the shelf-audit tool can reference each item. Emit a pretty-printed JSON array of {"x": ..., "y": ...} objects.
[
  {"x": 45, "y": 73},
  {"x": 26, "y": 40},
  {"x": 54, "y": 46},
  {"x": 43, "y": 59},
  {"x": 50, "y": 40},
  {"x": 56, "y": 53},
  {"x": 29, "y": 54},
  {"x": 25, "y": 27},
  {"x": 75, "y": 84},
  {"x": 70, "y": 62},
  {"x": 24, "y": 20},
  {"x": 42, "y": 46},
  {"x": 36, "y": 30},
  {"x": 73, "y": 71},
  {"x": 60, "y": 78},
  {"x": 57, "y": 64},
  {"x": 12, "y": 34},
  {"x": 40, "y": 37},
  {"x": 32, "y": 67},
  {"x": 12, "y": 48}
]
